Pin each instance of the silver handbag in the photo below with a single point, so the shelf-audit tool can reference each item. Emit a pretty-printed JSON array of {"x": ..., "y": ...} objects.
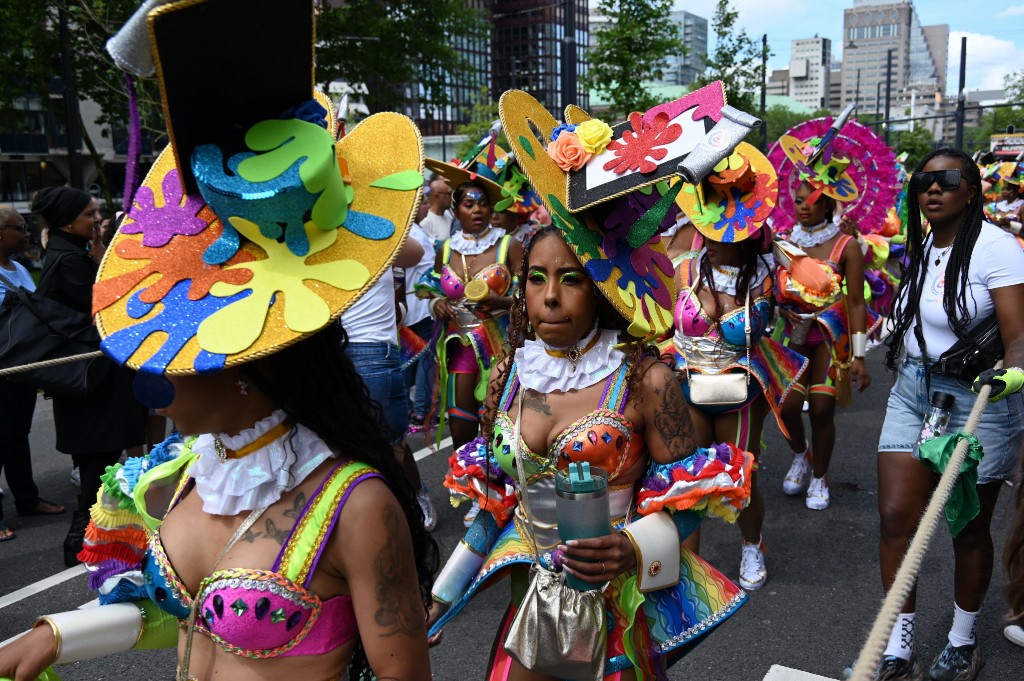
[
  {"x": 557, "y": 630},
  {"x": 722, "y": 389}
]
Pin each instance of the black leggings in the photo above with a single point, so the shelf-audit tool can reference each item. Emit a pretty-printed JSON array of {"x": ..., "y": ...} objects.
[{"x": 91, "y": 466}]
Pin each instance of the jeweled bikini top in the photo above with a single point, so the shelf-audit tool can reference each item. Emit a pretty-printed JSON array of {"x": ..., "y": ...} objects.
[
  {"x": 497, "y": 275},
  {"x": 260, "y": 613},
  {"x": 693, "y": 321},
  {"x": 603, "y": 437}
]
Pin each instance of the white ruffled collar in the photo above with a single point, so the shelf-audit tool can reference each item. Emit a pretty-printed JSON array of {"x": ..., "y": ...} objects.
[
  {"x": 726, "y": 277},
  {"x": 471, "y": 246},
  {"x": 258, "y": 479},
  {"x": 816, "y": 235},
  {"x": 544, "y": 373}
]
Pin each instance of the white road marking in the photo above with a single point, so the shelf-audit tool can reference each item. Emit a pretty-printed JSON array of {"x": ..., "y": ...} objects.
[
  {"x": 41, "y": 586},
  {"x": 430, "y": 449}
]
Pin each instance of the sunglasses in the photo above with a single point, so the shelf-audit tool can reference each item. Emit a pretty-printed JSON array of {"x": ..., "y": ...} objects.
[{"x": 947, "y": 179}]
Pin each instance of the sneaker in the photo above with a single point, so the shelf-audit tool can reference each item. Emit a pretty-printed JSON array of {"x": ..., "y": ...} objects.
[
  {"x": 957, "y": 663},
  {"x": 1015, "y": 634},
  {"x": 429, "y": 516},
  {"x": 471, "y": 514},
  {"x": 798, "y": 476},
  {"x": 416, "y": 423},
  {"x": 817, "y": 494},
  {"x": 893, "y": 668},
  {"x": 76, "y": 476},
  {"x": 752, "y": 571}
]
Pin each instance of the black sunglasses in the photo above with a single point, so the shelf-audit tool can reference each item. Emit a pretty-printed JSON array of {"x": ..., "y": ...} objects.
[{"x": 947, "y": 179}]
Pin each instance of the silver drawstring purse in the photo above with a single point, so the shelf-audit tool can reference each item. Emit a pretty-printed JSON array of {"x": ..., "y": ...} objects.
[{"x": 557, "y": 630}]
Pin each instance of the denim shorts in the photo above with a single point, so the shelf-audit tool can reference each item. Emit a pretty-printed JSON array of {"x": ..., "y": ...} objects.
[
  {"x": 1000, "y": 430},
  {"x": 380, "y": 366}
]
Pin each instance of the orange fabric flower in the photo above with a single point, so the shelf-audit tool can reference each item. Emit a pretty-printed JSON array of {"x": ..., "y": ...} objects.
[{"x": 567, "y": 152}]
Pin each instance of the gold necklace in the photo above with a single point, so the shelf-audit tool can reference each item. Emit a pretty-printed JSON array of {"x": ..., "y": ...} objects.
[
  {"x": 574, "y": 353},
  {"x": 225, "y": 453}
]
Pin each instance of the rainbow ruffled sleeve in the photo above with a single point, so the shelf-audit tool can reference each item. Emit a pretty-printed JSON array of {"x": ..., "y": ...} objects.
[
  {"x": 712, "y": 481},
  {"x": 474, "y": 473}
]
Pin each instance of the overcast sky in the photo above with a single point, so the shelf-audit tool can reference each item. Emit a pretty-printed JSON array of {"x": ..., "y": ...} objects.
[{"x": 994, "y": 30}]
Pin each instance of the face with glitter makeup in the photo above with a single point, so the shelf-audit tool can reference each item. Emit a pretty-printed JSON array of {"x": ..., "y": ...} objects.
[
  {"x": 807, "y": 213},
  {"x": 561, "y": 301},
  {"x": 474, "y": 209}
]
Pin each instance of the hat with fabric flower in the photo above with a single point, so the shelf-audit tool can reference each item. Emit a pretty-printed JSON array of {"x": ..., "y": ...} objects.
[
  {"x": 854, "y": 167},
  {"x": 255, "y": 228},
  {"x": 734, "y": 201},
  {"x": 457, "y": 174},
  {"x": 611, "y": 189}
]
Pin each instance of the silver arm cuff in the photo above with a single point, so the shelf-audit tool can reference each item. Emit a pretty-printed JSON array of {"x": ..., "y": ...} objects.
[
  {"x": 859, "y": 344},
  {"x": 94, "y": 632},
  {"x": 456, "y": 574}
]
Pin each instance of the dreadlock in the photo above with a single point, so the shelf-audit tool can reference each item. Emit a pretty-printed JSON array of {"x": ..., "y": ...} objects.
[{"x": 954, "y": 295}]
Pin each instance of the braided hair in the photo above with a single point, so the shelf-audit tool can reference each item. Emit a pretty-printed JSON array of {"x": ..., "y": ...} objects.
[
  {"x": 954, "y": 296},
  {"x": 752, "y": 250}
]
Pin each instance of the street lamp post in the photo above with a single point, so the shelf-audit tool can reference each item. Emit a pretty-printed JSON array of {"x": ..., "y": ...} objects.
[
  {"x": 764, "y": 90},
  {"x": 856, "y": 92},
  {"x": 569, "y": 54},
  {"x": 888, "y": 90}
]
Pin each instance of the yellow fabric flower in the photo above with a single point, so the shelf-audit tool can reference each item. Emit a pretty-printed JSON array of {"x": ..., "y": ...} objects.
[{"x": 594, "y": 135}]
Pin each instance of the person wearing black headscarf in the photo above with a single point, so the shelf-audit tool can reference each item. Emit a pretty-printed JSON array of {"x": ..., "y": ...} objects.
[{"x": 95, "y": 429}]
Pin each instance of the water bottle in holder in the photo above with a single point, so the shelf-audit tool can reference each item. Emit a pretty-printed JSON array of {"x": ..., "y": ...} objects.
[
  {"x": 936, "y": 419},
  {"x": 581, "y": 508}
]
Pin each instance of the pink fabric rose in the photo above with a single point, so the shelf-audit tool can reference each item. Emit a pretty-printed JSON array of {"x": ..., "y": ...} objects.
[{"x": 567, "y": 152}]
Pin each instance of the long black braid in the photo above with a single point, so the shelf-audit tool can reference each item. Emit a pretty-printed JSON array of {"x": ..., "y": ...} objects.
[
  {"x": 317, "y": 385},
  {"x": 954, "y": 295}
]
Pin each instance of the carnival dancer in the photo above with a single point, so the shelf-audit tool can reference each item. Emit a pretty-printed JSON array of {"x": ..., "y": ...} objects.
[
  {"x": 819, "y": 164},
  {"x": 269, "y": 539},
  {"x": 1008, "y": 211},
  {"x": 471, "y": 284},
  {"x": 722, "y": 314},
  {"x": 579, "y": 387},
  {"x": 964, "y": 289}
]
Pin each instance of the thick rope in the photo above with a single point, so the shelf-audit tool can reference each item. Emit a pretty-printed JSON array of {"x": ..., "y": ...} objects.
[
  {"x": 51, "y": 363},
  {"x": 906, "y": 576}
]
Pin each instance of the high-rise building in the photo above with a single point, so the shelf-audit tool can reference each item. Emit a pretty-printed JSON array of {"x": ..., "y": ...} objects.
[
  {"x": 809, "y": 71},
  {"x": 872, "y": 31},
  {"x": 687, "y": 63}
]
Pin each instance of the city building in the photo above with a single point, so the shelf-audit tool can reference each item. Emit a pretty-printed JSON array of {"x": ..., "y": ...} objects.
[
  {"x": 809, "y": 71},
  {"x": 687, "y": 64},
  {"x": 874, "y": 30},
  {"x": 778, "y": 83},
  {"x": 835, "y": 87}
]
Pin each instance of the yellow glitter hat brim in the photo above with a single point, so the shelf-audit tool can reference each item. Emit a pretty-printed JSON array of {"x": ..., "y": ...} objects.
[
  {"x": 379, "y": 146},
  {"x": 519, "y": 111},
  {"x": 792, "y": 147},
  {"x": 455, "y": 176}
]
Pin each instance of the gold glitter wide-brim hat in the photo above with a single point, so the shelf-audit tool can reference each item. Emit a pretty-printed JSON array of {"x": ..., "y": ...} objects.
[
  {"x": 456, "y": 175},
  {"x": 255, "y": 228},
  {"x": 611, "y": 190}
]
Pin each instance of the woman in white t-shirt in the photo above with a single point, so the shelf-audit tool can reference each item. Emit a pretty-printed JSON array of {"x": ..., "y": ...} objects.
[{"x": 964, "y": 272}]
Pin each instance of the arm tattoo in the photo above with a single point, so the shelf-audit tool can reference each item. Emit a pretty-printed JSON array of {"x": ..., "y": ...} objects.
[
  {"x": 537, "y": 402},
  {"x": 396, "y": 614},
  {"x": 274, "y": 533},
  {"x": 297, "y": 506},
  {"x": 672, "y": 419}
]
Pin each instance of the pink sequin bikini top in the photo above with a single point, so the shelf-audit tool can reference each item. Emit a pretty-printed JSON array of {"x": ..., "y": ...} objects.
[
  {"x": 260, "y": 613},
  {"x": 694, "y": 322},
  {"x": 603, "y": 437},
  {"x": 497, "y": 275}
]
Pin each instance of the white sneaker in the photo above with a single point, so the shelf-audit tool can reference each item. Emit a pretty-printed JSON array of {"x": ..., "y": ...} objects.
[
  {"x": 429, "y": 516},
  {"x": 817, "y": 494},
  {"x": 1015, "y": 634},
  {"x": 752, "y": 571},
  {"x": 471, "y": 514},
  {"x": 798, "y": 476},
  {"x": 76, "y": 476}
]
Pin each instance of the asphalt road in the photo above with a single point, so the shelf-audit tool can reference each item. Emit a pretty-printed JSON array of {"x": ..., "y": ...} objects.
[{"x": 813, "y": 614}]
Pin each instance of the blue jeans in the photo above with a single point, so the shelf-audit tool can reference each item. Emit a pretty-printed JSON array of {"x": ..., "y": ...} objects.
[
  {"x": 379, "y": 365},
  {"x": 999, "y": 431},
  {"x": 423, "y": 374}
]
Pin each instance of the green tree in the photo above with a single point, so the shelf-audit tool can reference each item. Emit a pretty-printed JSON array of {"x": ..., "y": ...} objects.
[
  {"x": 917, "y": 143},
  {"x": 630, "y": 50},
  {"x": 778, "y": 119},
  {"x": 736, "y": 61},
  {"x": 25, "y": 65},
  {"x": 481, "y": 118},
  {"x": 396, "y": 46}
]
